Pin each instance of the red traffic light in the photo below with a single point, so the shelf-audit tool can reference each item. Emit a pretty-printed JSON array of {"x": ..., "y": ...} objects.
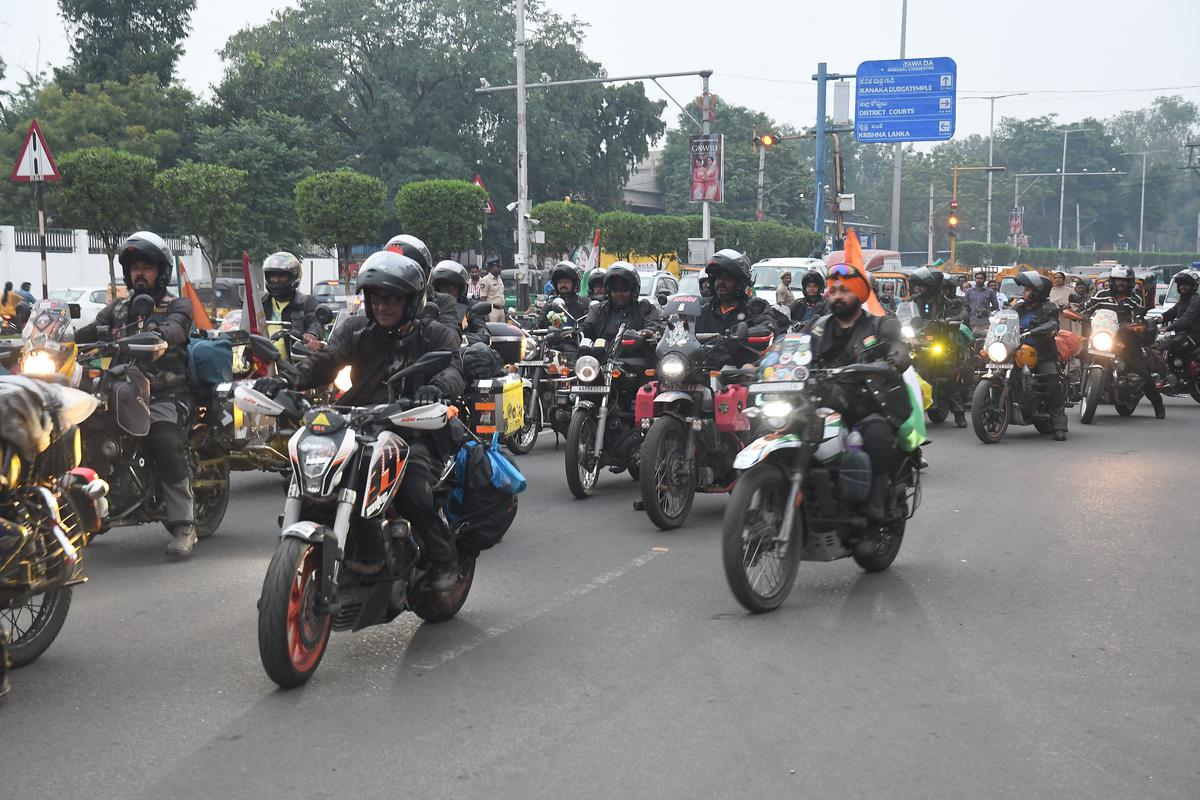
[{"x": 953, "y": 205}]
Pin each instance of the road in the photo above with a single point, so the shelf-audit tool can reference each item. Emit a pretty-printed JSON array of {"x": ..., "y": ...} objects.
[{"x": 1036, "y": 638}]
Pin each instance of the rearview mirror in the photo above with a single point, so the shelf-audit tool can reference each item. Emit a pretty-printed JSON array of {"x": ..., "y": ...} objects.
[
  {"x": 73, "y": 310},
  {"x": 263, "y": 348},
  {"x": 559, "y": 304},
  {"x": 428, "y": 364},
  {"x": 644, "y": 304},
  {"x": 662, "y": 298},
  {"x": 23, "y": 312},
  {"x": 324, "y": 315},
  {"x": 481, "y": 309}
]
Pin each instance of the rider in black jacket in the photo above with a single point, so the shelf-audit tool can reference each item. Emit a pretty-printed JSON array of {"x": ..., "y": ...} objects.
[
  {"x": 877, "y": 406},
  {"x": 811, "y": 306},
  {"x": 932, "y": 294},
  {"x": 450, "y": 278},
  {"x": 441, "y": 307},
  {"x": 1183, "y": 318},
  {"x": 565, "y": 277},
  {"x": 1121, "y": 283},
  {"x": 284, "y": 303},
  {"x": 622, "y": 286},
  {"x": 729, "y": 275},
  {"x": 392, "y": 335},
  {"x": 1039, "y": 326}
]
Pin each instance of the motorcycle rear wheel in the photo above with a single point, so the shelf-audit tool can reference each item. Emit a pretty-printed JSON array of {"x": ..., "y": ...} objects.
[
  {"x": 434, "y": 606},
  {"x": 35, "y": 624},
  {"x": 583, "y": 467},
  {"x": 891, "y": 534},
  {"x": 750, "y": 535},
  {"x": 523, "y": 440},
  {"x": 291, "y": 638},
  {"x": 210, "y": 504},
  {"x": 668, "y": 500},
  {"x": 1093, "y": 390},
  {"x": 989, "y": 411}
]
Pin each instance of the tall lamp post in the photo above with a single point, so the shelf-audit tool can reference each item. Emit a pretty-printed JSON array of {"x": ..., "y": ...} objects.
[
  {"x": 992, "y": 98},
  {"x": 1142, "y": 213},
  {"x": 1062, "y": 186}
]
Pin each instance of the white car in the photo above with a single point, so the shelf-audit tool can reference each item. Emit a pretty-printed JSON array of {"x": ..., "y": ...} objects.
[
  {"x": 90, "y": 299},
  {"x": 766, "y": 274}
]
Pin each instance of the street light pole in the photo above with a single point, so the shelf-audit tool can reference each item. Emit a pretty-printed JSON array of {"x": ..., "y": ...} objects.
[
  {"x": 1062, "y": 186},
  {"x": 929, "y": 244},
  {"x": 991, "y": 148},
  {"x": 1142, "y": 213},
  {"x": 762, "y": 166},
  {"x": 896, "y": 166},
  {"x": 705, "y": 128},
  {"x": 522, "y": 158}
]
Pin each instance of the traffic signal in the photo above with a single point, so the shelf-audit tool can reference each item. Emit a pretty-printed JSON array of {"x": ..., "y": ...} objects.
[
  {"x": 952, "y": 220},
  {"x": 766, "y": 139}
]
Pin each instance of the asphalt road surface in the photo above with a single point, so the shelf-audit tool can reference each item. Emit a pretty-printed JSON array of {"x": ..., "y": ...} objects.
[{"x": 1036, "y": 638}]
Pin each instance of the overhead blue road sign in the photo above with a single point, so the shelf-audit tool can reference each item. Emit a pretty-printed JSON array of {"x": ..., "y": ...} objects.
[{"x": 905, "y": 100}]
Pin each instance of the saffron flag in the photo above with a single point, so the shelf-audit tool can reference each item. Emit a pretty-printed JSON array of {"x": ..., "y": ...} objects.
[
  {"x": 854, "y": 257},
  {"x": 199, "y": 315}
]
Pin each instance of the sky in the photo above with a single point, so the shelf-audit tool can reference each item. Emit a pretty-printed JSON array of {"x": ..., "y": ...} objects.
[{"x": 1075, "y": 59}]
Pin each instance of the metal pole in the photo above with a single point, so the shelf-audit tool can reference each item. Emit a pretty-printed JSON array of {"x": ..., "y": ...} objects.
[
  {"x": 929, "y": 247},
  {"x": 819, "y": 166},
  {"x": 991, "y": 142},
  {"x": 896, "y": 166},
  {"x": 762, "y": 165},
  {"x": 954, "y": 206},
  {"x": 705, "y": 128},
  {"x": 1078, "y": 231},
  {"x": 1142, "y": 214},
  {"x": 522, "y": 164},
  {"x": 1062, "y": 190},
  {"x": 41, "y": 205}
]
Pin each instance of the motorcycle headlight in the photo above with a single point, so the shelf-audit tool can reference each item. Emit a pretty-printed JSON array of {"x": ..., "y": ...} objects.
[
  {"x": 937, "y": 348},
  {"x": 315, "y": 453},
  {"x": 1102, "y": 340},
  {"x": 776, "y": 413},
  {"x": 342, "y": 382},
  {"x": 587, "y": 369},
  {"x": 673, "y": 368},
  {"x": 907, "y": 331},
  {"x": 39, "y": 362},
  {"x": 997, "y": 351}
]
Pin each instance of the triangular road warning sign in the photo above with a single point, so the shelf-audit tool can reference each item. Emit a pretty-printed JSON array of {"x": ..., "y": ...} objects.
[{"x": 35, "y": 164}]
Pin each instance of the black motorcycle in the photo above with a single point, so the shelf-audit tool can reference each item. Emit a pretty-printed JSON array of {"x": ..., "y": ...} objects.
[
  {"x": 1106, "y": 379},
  {"x": 936, "y": 356},
  {"x": 1009, "y": 392}
]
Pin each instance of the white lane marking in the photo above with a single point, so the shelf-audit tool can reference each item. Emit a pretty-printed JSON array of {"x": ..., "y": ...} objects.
[{"x": 528, "y": 616}]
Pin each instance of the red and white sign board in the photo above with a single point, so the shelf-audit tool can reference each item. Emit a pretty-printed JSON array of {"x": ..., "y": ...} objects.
[
  {"x": 35, "y": 164},
  {"x": 491, "y": 207}
]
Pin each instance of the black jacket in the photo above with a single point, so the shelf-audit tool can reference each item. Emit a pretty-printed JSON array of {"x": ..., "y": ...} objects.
[
  {"x": 374, "y": 354},
  {"x": 941, "y": 307},
  {"x": 603, "y": 320},
  {"x": 1039, "y": 326},
  {"x": 1184, "y": 316},
  {"x": 444, "y": 309},
  {"x": 577, "y": 307},
  {"x": 807, "y": 311},
  {"x": 172, "y": 318},
  {"x": 300, "y": 313},
  {"x": 871, "y": 339}
]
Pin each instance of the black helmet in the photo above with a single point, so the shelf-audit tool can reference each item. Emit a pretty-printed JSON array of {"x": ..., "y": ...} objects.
[
  {"x": 283, "y": 263},
  {"x": 812, "y": 276},
  {"x": 148, "y": 247},
  {"x": 389, "y": 271},
  {"x": 1187, "y": 277},
  {"x": 926, "y": 278},
  {"x": 565, "y": 269},
  {"x": 414, "y": 248},
  {"x": 595, "y": 276},
  {"x": 1040, "y": 284},
  {"x": 624, "y": 271},
  {"x": 452, "y": 273},
  {"x": 730, "y": 262}
]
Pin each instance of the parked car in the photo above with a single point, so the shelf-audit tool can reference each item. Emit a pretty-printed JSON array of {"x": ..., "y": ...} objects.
[
  {"x": 766, "y": 274},
  {"x": 90, "y": 299},
  {"x": 656, "y": 285},
  {"x": 331, "y": 293}
]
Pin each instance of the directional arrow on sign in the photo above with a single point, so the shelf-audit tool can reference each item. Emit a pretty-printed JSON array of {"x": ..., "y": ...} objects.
[{"x": 35, "y": 164}]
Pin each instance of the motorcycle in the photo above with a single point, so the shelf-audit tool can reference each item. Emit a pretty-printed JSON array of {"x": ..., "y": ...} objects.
[
  {"x": 1009, "y": 392},
  {"x": 1177, "y": 374},
  {"x": 49, "y": 338},
  {"x": 1105, "y": 378},
  {"x": 347, "y": 464},
  {"x": 49, "y": 508},
  {"x": 800, "y": 482},
  {"x": 113, "y": 437},
  {"x": 692, "y": 420},
  {"x": 544, "y": 370},
  {"x": 602, "y": 431},
  {"x": 935, "y": 354}
]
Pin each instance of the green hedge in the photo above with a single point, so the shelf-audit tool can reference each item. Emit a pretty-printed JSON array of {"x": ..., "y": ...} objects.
[{"x": 978, "y": 254}]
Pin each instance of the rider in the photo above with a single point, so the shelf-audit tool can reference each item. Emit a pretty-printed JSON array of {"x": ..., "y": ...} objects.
[
  {"x": 1183, "y": 318},
  {"x": 595, "y": 284},
  {"x": 565, "y": 277},
  {"x": 934, "y": 297},
  {"x": 450, "y": 278},
  {"x": 147, "y": 264},
  {"x": 811, "y": 306},
  {"x": 729, "y": 276},
  {"x": 876, "y": 405},
  {"x": 444, "y": 308},
  {"x": 1039, "y": 325},
  {"x": 622, "y": 285},
  {"x": 1119, "y": 292},
  {"x": 392, "y": 335},
  {"x": 283, "y": 303}
]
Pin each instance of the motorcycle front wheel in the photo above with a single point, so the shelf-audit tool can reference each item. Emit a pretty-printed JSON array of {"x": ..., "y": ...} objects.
[
  {"x": 523, "y": 440},
  {"x": 291, "y": 637},
  {"x": 667, "y": 475},
  {"x": 35, "y": 624},
  {"x": 583, "y": 467},
  {"x": 1093, "y": 391},
  {"x": 760, "y": 558},
  {"x": 989, "y": 411}
]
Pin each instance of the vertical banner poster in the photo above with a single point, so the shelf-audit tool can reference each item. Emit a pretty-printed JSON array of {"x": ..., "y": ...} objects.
[{"x": 708, "y": 168}]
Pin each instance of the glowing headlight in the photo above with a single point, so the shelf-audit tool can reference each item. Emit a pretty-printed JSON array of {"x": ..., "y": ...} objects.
[
  {"x": 937, "y": 348},
  {"x": 315, "y": 453},
  {"x": 39, "y": 362},
  {"x": 587, "y": 369},
  {"x": 1102, "y": 340},
  {"x": 907, "y": 331},
  {"x": 673, "y": 367},
  {"x": 776, "y": 413},
  {"x": 342, "y": 382},
  {"x": 997, "y": 351}
]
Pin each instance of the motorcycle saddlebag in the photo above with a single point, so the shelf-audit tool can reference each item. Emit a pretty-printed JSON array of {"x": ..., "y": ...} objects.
[
  {"x": 480, "y": 362},
  {"x": 130, "y": 392},
  {"x": 484, "y": 503}
]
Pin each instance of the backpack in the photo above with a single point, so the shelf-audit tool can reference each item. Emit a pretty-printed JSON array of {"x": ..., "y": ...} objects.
[
  {"x": 209, "y": 362},
  {"x": 483, "y": 504}
]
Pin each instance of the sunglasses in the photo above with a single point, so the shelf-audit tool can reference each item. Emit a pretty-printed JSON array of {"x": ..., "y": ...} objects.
[{"x": 844, "y": 271}]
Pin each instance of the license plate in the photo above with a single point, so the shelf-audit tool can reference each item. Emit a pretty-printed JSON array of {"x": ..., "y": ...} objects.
[
  {"x": 589, "y": 390},
  {"x": 531, "y": 363},
  {"x": 1002, "y": 367}
]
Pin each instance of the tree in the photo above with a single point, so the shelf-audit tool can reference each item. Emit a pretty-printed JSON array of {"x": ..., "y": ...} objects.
[
  {"x": 106, "y": 191},
  {"x": 665, "y": 237},
  {"x": 337, "y": 209},
  {"x": 206, "y": 200},
  {"x": 623, "y": 233},
  {"x": 446, "y": 215},
  {"x": 113, "y": 40},
  {"x": 566, "y": 225}
]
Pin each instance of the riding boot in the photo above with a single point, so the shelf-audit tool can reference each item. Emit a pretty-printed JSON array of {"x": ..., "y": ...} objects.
[
  {"x": 180, "y": 518},
  {"x": 874, "y": 508},
  {"x": 1160, "y": 411}
]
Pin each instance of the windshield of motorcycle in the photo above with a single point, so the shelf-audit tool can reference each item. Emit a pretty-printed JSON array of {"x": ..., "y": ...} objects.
[
  {"x": 49, "y": 326},
  {"x": 1004, "y": 327},
  {"x": 1105, "y": 319},
  {"x": 685, "y": 306},
  {"x": 909, "y": 318},
  {"x": 787, "y": 360}
]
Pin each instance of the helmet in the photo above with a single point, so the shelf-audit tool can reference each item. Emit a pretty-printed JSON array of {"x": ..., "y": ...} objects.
[
  {"x": 1121, "y": 271},
  {"x": 389, "y": 271},
  {"x": 1188, "y": 277},
  {"x": 1037, "y": 281},
  {"x": 812, "y": 276},
  {"x": 450, "y": 272},
  {"x": 926, "y": 278},
  {"x": 285, "y": 263},
  {"x": 596, "y": 276},
  {"x": 730, "y": 262},
  {"x": 148, "y": 247},
  {"x": 623, "y": 271},
  {"x": 414, "y": 248},
  {"x": 565, "y": 269}
]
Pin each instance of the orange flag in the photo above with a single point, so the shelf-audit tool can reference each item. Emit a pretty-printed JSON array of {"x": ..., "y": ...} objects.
[
  {"x": 854, "y": 257},
  {"x": 200, "y": 316}
]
